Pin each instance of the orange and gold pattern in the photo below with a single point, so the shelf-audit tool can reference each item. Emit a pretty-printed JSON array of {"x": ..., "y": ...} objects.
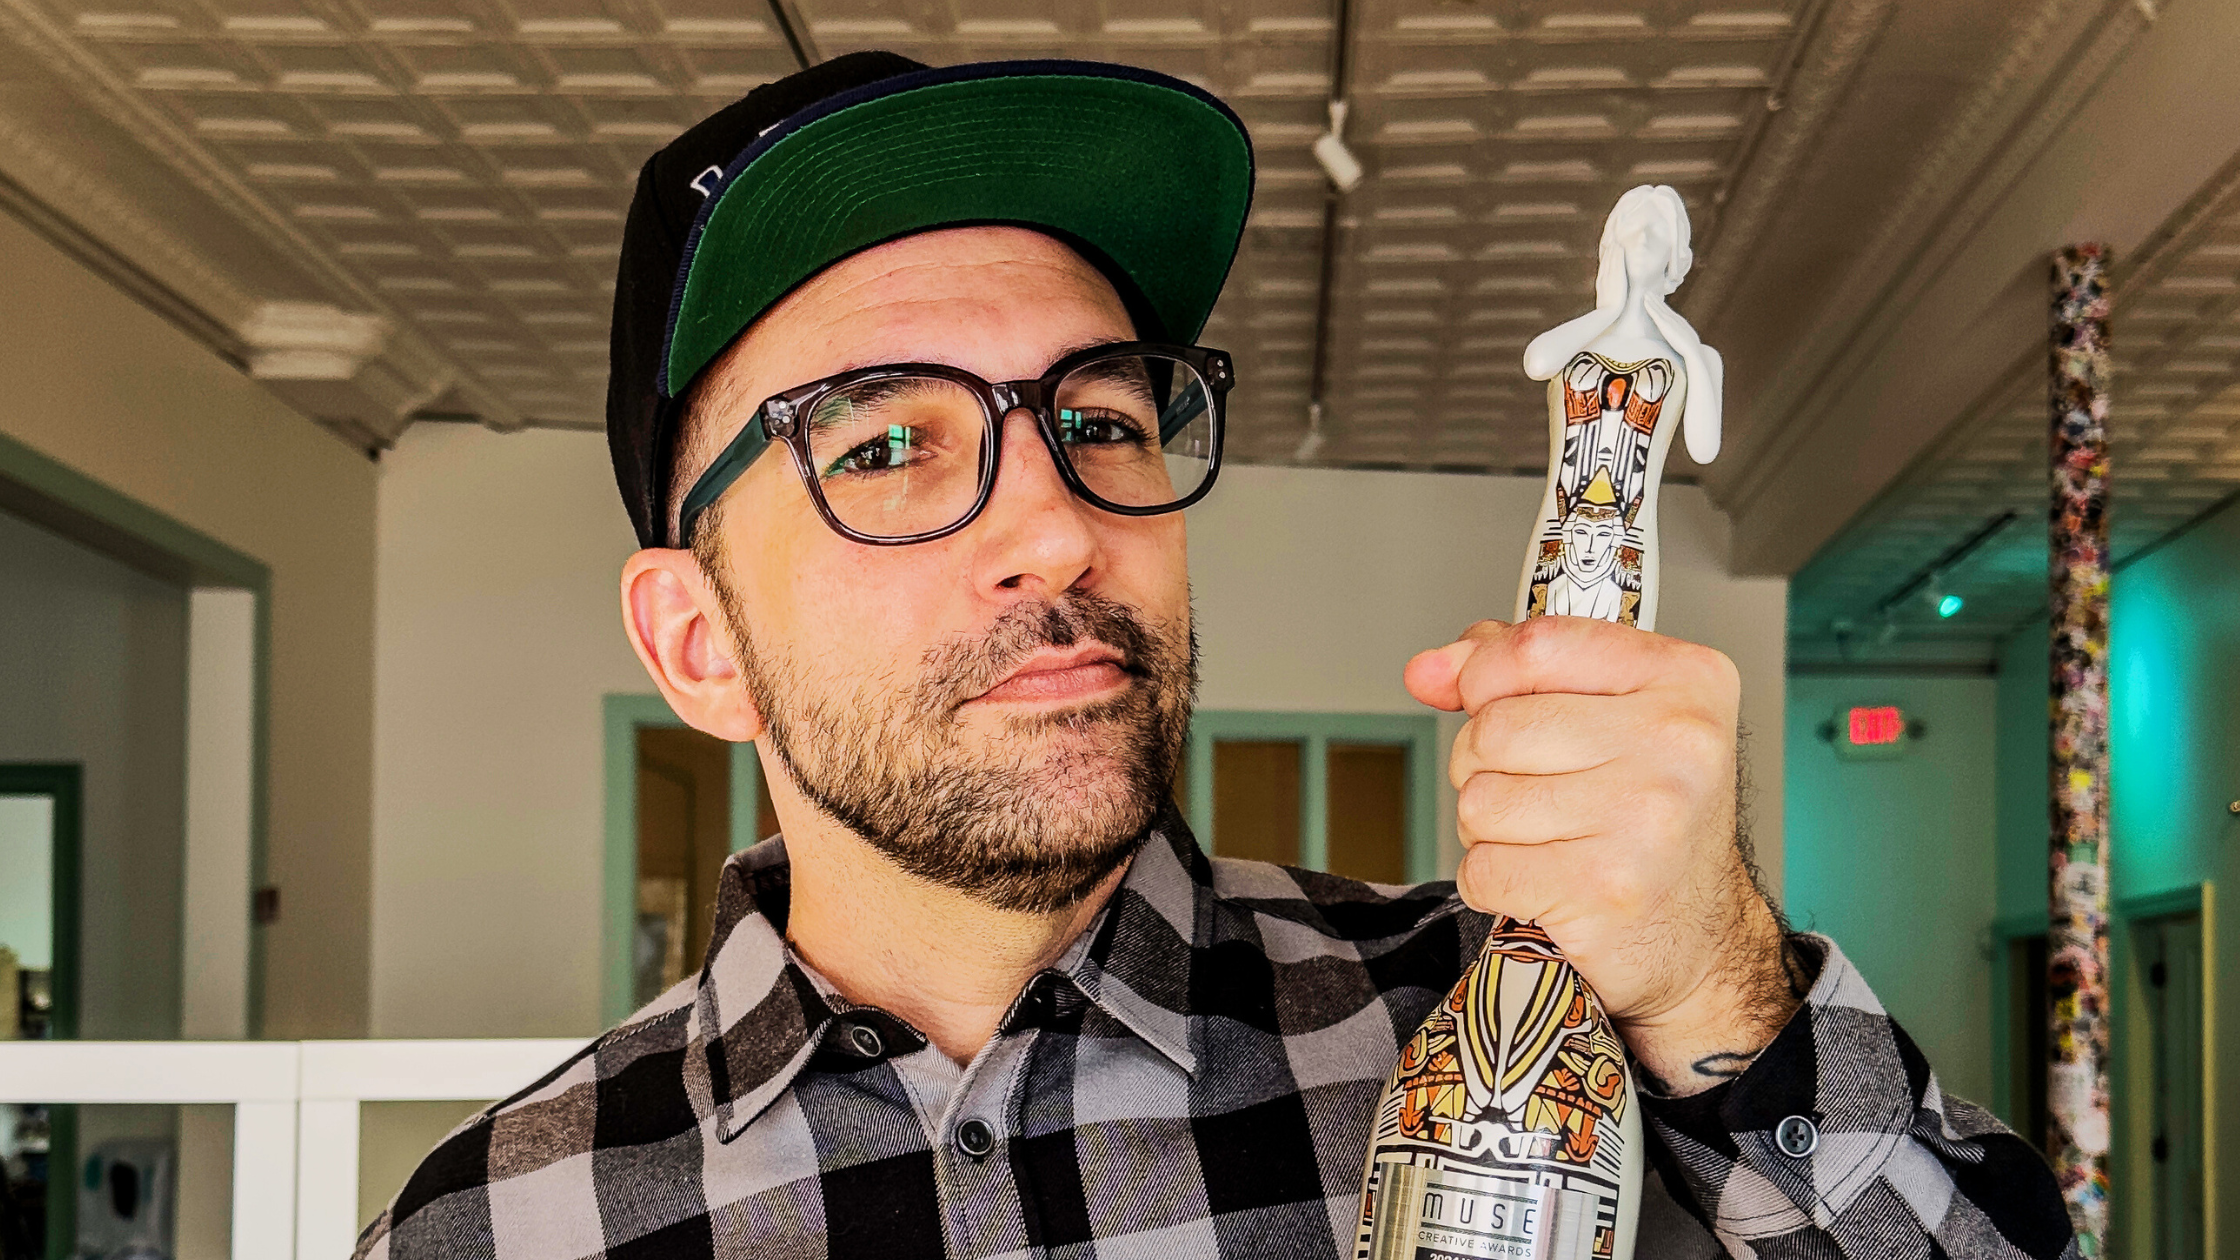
[{"x": 1517, "y": 1042}]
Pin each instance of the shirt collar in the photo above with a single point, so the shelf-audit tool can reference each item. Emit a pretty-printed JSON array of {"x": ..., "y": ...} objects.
[{"x": 759, "y": 1014}]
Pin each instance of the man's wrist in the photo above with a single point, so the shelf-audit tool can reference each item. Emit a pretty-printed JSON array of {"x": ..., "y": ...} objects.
[{"x": 1737, "y": 1011}]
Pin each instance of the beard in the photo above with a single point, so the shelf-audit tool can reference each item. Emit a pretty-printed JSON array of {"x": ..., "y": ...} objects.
[{"x": 1031, "y": 820}]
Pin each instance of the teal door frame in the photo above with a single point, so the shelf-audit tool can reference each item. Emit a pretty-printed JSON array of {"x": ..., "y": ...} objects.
[
  {"x": 1315, "y": 732},
  {"x": 2126, "y": 916},
  {"x": 625, "y": 715}
]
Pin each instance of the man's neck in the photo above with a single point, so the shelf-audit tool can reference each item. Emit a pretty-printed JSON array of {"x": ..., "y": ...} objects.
[{"x": 949, "y": 964}]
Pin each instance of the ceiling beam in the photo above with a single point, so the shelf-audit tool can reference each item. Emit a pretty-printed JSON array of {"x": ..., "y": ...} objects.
[{"x": 2138, "y": 114}]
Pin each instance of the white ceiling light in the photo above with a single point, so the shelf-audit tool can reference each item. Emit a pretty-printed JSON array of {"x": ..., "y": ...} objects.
[{"x": 1338, "y": 161}]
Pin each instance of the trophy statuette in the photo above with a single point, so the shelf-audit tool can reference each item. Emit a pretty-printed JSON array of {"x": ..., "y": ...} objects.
[{"x": 1510, "y": 1127}]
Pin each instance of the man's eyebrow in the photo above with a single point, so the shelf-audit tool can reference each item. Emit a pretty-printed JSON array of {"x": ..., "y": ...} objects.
[{"x": 1092, "y": 344}]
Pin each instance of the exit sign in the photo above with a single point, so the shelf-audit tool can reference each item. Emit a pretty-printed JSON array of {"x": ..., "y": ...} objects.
[{"x": 1870, "y": 732}]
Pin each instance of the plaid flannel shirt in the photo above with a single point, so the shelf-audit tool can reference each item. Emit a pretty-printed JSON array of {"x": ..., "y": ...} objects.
[{"x": 1195, "y": 1077}]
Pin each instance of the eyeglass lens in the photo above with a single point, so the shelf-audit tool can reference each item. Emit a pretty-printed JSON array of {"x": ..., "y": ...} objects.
[{"x": 904, "y": 455}]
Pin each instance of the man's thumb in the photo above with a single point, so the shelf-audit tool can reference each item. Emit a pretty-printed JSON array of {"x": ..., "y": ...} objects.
[{"x": 1434, "y": 677}]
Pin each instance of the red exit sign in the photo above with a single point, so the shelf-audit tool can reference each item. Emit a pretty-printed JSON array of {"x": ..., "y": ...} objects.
[
  {"x": 1870, "y": 732},
  {"x": 1882, "y": 724}
]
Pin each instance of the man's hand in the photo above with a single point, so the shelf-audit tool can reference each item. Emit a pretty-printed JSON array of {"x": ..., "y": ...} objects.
[{"x": 1597, "y": 781}]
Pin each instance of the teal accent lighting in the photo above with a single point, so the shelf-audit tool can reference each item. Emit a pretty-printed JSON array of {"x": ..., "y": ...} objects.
[{"x": 1950, "y": 605}]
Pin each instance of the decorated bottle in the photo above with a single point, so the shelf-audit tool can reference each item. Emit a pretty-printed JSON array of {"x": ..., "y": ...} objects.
[{"x": 1510, "y": 1127}]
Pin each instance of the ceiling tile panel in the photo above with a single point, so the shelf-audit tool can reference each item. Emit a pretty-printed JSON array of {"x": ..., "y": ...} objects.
[{"x": 468, "y": 161}]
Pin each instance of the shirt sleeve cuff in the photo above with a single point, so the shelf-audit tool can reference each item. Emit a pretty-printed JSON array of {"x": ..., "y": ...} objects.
[{"x": 1839, "y": 1069}]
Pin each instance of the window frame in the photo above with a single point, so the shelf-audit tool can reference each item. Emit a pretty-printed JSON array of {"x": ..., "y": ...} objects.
[{"x": 1315, "y": 732}]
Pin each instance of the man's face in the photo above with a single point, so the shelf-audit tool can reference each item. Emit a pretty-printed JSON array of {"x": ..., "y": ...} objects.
[
  {"x": 1000, "y": 710},
  {"x": 1590, "y": 546}
]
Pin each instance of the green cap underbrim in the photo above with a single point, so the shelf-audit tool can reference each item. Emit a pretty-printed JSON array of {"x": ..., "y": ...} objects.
[{"x": 1154, "y": 178}]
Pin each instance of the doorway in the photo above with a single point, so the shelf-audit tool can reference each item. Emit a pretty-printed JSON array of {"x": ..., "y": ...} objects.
[
  {"x": 2168, "y": 957},
  {"x": 40, "y": 838},
  {"x": 678, "y": 804},
  {"x": 685, "y": 834}
]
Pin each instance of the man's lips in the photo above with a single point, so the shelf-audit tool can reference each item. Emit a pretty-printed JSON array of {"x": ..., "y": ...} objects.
[{"x": 1059, "y": 676}]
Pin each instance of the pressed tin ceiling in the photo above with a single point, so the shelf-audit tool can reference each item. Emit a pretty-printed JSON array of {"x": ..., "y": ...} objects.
[
  {"x": 401, "y": 210},
  {"x": 464, "y": 165}
]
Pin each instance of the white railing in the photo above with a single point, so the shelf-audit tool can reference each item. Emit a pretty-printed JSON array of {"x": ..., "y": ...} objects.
[{"x": 295, "y": 1111}]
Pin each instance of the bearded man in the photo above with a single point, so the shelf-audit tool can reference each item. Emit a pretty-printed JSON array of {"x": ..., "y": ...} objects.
[{"x": 905, "y": 413}]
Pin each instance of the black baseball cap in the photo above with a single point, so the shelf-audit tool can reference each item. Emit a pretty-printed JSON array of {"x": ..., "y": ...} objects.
[{"x": 1148, "y": 177}]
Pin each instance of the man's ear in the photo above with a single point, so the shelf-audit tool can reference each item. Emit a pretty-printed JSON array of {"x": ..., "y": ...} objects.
[{"x": 680, "y": 631}]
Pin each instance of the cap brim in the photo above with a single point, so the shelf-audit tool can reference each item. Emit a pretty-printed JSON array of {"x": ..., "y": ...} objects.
[{"x": 1154, "y": 175}]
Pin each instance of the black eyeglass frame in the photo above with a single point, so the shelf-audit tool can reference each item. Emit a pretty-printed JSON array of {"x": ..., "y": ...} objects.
[{"x": 778, "y": 419}]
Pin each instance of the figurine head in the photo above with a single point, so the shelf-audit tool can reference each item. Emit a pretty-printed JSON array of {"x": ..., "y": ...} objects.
[
  {"x": 1591, "y": 536},
  {"x": 1644, "y": 245},
  {"x": 1645, "y": 251}
]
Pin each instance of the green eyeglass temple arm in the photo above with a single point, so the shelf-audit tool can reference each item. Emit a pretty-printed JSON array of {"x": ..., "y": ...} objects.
[{"x": 742, "y": 452}]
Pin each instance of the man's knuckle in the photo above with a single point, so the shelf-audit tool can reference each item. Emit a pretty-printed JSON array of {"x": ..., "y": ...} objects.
[{"x": 1539, "y": 642}]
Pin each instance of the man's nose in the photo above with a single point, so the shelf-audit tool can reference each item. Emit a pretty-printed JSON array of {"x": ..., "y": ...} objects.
[{"x": 1035, "y": 532}]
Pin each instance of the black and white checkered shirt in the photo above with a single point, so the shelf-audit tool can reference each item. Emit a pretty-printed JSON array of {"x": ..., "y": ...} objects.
[{"x": 1196, "y": 1077}]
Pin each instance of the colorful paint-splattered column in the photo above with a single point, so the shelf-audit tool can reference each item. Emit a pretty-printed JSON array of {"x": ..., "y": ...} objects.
[{"x": 2077, "y": 949}]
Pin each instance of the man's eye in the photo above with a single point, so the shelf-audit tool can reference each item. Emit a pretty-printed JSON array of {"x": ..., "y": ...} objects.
[
  {"x": 1097, "y": 428},
  {"x": 893, "y": 449}
]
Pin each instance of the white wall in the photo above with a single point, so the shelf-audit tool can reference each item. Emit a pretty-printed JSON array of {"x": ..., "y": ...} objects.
[
  {"x": 497, "y": 634},
  {"x": 221, "y": 809},
  {"x": 496, "y": 631},
  {"x": 27, "y": 894}
]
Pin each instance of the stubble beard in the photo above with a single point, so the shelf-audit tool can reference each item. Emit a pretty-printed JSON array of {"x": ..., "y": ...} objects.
[{"x": 1032, "y": 821}]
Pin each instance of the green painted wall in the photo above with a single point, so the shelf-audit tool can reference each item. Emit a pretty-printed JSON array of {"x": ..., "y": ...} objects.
[
  {"x": 1896, "y": 859},
  {"x": 2174, "y": 727},
  {"x": 2174, "y": 678}
]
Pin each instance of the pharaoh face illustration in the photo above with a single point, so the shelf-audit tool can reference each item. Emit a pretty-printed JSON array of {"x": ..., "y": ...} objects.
[{"x": 1591, "y": 537}]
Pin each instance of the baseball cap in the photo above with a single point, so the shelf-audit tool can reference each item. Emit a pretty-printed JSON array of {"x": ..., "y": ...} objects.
[{"x": 1147, "y": 176}]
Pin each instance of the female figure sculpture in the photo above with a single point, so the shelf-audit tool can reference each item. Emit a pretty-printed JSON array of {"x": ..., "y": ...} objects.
[{"x": 1620, "y": 379}]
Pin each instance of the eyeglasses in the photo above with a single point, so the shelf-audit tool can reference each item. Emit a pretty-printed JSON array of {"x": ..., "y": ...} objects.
[{"x": 907, "y": 452}]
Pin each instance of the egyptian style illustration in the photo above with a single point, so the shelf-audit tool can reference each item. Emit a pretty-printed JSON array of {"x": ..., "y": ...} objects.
[
  {"x": 1621, "y": 379},
  {"x": 1509, "y": 1127}
]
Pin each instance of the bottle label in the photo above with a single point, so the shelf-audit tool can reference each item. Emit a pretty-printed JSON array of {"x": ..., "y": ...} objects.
[
  {"x": 1427, "y": 1213},
  {"x": 1510, "y": 1103}
]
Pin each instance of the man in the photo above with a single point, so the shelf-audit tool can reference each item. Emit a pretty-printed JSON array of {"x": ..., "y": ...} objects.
[{"x": 904, "y": 413}]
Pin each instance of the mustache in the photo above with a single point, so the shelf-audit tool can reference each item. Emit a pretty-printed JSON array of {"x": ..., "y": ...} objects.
[{"x": 960, "y": 670}]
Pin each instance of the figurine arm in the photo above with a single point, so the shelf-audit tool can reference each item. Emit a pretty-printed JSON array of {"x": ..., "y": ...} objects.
[
  {"x": 1836, "y": 1140},
  {"x": 1704, "y": 419},
  {"x": 1552, "y": 349}
]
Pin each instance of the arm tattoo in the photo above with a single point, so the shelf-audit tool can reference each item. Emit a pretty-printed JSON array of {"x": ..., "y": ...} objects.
[{"x": 1723, "y": 1066}]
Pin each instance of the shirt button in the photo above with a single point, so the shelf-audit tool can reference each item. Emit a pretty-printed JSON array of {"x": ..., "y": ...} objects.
[
  {"x": 867, "y": 1041},
  {"x": 1797, "y": 1137},
  {"x": 975, "y": 1138}
]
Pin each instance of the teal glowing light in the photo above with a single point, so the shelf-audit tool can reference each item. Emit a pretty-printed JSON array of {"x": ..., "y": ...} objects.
[{"x": 1949, "y": 605}]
